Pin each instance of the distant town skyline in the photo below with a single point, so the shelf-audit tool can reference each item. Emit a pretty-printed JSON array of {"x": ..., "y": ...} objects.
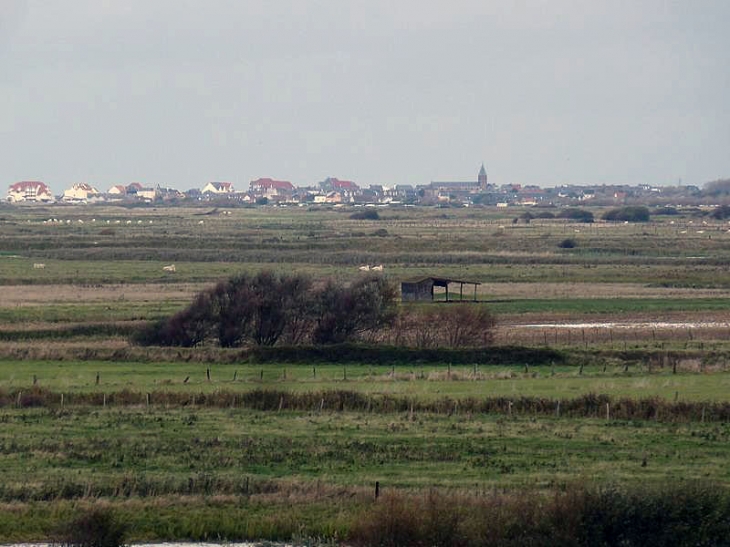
[{"x": 543, "y": 93}]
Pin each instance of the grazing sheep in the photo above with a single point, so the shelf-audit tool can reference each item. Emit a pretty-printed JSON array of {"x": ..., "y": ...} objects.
[
  {"x": 378, "y": 268},
  {"x": 39, "y": 266},
  {"x": 170, "y": 268},
  {"x": 365, "y": 268}
]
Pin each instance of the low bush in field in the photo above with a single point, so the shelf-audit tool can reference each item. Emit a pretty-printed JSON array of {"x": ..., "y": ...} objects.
[
  {"x": 366, "y": 214},
  {"x": 721, "y": 213},
  {"x": 628, "y": 214},
  {"x": 579, "y": 215},
  {"x": 95, "y": 527},
  {"x": 267, "y": 308},
  {"x": 568, "y": 243},
  {"x": 359, "y": 354},
  {"x": 457, "y": 325},
  {"x": 693, "y": 515}
]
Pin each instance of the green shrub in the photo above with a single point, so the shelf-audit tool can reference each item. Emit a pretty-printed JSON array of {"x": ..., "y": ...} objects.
[
  {"x": 95, "y": 527},
  {"x": 366, "y": 214},
  {"x": 672, "y": 516},
  {"x": 568, "y": 243},
  {"x": 579, "y": 215},
  {"x": 721, "y": 213},
  {"x": 628, "y": 214}
]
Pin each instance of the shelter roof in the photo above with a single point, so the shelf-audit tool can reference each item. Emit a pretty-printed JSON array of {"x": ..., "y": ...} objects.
[{"x": 441, "y": 281}]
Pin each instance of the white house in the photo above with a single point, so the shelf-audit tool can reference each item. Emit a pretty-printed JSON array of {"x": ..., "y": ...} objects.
[
  {"x": 272, "y": 189},
  {"x": 218, "y": 188},
  {"x": 117, "y": 190},
  {"x": 29, "y": 190},
  {"x": 81, "y": 192},
  {"x": 147, "y": 194}
]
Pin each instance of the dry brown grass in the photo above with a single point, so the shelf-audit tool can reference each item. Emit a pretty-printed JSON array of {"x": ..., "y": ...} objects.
[
  {"x": 41, "y": 295},
  {"x": 560, "y": 330},
  {"x": 592, "y": 290}
]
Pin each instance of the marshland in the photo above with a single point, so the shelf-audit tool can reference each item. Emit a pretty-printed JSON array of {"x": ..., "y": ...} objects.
[{"x": 601, "y": 389}]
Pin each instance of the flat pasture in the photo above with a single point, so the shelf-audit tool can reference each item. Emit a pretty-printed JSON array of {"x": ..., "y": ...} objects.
[{"x": 428, "y": 382}]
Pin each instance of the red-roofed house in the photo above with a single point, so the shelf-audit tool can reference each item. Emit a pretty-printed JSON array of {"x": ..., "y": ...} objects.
[
  {"x": 272, "y": 189},
  {"x": 117, "y": 190},
  {"x": 346, "y": 188},
  {"x": 343, "y": 185},
  {"x": 218, "y": 188},
  {"x": 29, "y": 190}
]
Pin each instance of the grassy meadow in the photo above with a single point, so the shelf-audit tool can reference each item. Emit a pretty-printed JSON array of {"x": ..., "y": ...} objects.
[{"x": 215, "y": 444}]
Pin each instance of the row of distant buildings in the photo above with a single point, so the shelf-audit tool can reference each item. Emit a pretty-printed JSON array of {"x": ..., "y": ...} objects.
[
  {"x": 331, "y": 190},
  {"x": 335, "y": 191}
]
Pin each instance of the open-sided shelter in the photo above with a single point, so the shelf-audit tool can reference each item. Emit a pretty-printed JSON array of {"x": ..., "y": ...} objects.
[{"x": 423, "y": 289}]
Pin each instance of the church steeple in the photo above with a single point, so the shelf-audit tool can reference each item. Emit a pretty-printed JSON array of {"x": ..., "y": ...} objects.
[{"x": 482, "y": 178}]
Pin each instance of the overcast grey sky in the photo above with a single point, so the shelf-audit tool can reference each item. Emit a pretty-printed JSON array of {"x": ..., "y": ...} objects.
[{"x": 180, "y": 92}]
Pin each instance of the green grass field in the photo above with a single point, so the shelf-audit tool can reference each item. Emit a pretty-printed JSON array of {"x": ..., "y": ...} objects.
[{"x": 420, "y": 381}]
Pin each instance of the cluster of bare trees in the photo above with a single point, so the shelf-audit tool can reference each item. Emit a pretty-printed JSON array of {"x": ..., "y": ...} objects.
[{"x": 454, "y": 325}]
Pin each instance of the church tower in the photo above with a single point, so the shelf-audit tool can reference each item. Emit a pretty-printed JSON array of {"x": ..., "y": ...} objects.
[{"x": 482, "y": 180}]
